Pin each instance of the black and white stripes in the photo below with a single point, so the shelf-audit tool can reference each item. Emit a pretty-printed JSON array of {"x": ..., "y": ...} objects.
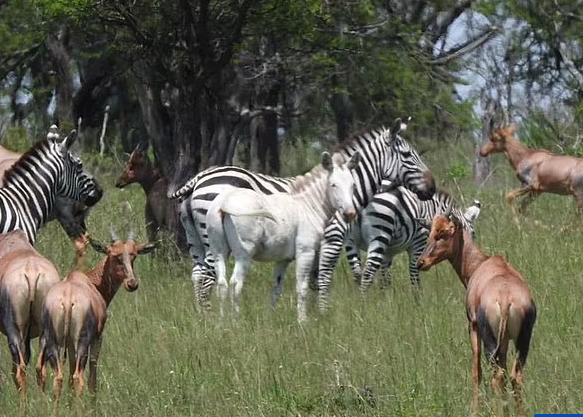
[
  {"x": 30, "y": 187},
  {"x": 388, "y": 226},
  {"x": 384, "y": 155}
]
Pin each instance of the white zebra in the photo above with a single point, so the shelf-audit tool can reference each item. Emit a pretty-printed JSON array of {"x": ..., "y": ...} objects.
[{"x": 279, "y": 227}]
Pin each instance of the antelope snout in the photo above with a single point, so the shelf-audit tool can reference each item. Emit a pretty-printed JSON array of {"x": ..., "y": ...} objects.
[
  {"x": 423, "y": 264},
  {"x": 131, "y": 284}
]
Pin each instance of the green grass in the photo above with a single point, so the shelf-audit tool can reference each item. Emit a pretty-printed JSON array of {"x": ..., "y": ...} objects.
[{"x": 161, "y": 358}]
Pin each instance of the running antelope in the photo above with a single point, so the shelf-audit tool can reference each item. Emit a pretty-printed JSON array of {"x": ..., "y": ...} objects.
[
  {"x": 161, "y": 212},
  {"x": 499, "y": 304},
  {"x": 75, "y": 310},
  {"x": 539, "y": 170},
  {"x": 279, "y": 227},
  {"x": 25, "y": 278}
]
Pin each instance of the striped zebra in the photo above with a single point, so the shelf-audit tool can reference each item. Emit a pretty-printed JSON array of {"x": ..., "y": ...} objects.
[
  {"x": 31, "y": 185},
  {"x": 384, "y": 155},
  {"x": 388, "y": 226}
]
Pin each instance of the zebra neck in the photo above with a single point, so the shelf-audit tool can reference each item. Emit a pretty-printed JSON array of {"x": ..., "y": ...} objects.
[
  {"x": 315, "y": 205},
  {"x": 34, "y": 201},
  {"x": 102, "y": 278}
]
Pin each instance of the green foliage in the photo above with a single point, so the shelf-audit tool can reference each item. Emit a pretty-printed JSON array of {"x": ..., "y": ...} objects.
[{"x": 459, "y": 171}]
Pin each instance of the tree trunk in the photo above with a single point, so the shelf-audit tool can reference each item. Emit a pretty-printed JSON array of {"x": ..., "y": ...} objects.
[
  {"x": 57, "y": 46},
  {"x": 343, "y": 110},
  {"x": 491, "y": 118}
]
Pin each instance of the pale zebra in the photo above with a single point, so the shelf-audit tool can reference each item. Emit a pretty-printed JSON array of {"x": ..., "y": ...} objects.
[
  {"x": 385, "y": 154},
  {"x": 279, "y": 227},
  {"x": 31, "y": 185},
  {"x": 388, "y": 226}
]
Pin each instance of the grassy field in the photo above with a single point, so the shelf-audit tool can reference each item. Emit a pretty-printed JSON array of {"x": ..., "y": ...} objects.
[{"x": 379, "y": 356}]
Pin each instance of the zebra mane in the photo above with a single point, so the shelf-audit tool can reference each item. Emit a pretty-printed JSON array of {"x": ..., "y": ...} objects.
[
  {"x": 366, "y": 134},
  {"x": 301, "y": 182},
  {"x": 18, "y": 166}
]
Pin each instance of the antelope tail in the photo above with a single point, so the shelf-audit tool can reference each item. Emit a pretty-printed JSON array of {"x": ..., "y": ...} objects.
[
  {"x": 504, "y": 313},
  {"x": 67, "y": 311}
]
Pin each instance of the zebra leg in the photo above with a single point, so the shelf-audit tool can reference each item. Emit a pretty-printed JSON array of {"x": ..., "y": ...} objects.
[
  {"x": 415, "y": 251},
  {"x": 374, "y": 259},
  {"x": 353, "y": 256},
  {"x": 329, "y": 252},
  {"x": 304, "y": 261},
  {"x": 222, "y": 284},
  {"x": 196, "y": 250},
  {"x": 240, "y": 272},
  {"x": 278, "y": 275},
  {"x": 386, "y": 277}
]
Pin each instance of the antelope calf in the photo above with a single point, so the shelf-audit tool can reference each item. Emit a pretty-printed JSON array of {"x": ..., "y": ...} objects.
[
  {"x": 539, "y": 170},
  {"x": 25, "y": 278},
  {"x": 499, "y": 304},
  {"x": 75, "y": 310}
]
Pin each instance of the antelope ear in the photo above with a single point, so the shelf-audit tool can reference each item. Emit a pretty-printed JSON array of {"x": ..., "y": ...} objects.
[
  {"x": 98, "y": 246},
  {"x": 511, "y": 130},
  {"x": 326, "y": 161},
  {"x": 354, "y": 160},
  {"x": 147, "y": 248},
  {"x": 68, "y": 141},
  {"x": 127, "y": 155},
  {"x": 423, "y": 222}
]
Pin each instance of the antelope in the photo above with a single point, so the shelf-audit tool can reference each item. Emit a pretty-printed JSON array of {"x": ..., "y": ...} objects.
[
  {"x": 25, "y": 279},
  {"x": 160, "y": 211},
  {"x": 499, "y": 304},
  {"x": 539, "y": 170},
  {"x": 279, "y": 227},
  {"x": 75, "y": 310}
]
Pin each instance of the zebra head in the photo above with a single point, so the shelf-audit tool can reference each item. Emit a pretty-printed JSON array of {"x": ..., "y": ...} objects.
[
  {"x": 75, "y": 183},
  {"x": 340, "y": 190},
  {"x": 405, "y": 167}
]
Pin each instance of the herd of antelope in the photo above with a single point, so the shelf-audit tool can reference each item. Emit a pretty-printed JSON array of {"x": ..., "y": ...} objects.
[{"x": 255, "y": 224}]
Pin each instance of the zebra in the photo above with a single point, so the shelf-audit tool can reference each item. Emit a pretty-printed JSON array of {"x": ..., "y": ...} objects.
[
  {"x": 388, "y": 226},
  {"x": 31, "y": 185},
  {"x": 385, "y": 154},
  {"x": 279, "y": 227}
]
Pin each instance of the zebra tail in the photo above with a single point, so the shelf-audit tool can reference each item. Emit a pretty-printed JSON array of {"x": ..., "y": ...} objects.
[
  {"x": 233, "y": 209},
  {"x": 183, "y": 191}
]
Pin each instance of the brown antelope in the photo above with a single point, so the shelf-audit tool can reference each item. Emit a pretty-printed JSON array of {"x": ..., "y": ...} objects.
[
  {"x": 539, "y": 170},
  {"x": 499, "y": 304},
  {"x": 25, "y": 278},
  {"x": 75, "y": 310},
  {"x": 161, "y": 213}
]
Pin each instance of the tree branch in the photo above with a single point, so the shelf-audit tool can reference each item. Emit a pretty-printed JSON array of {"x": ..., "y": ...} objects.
[{"x": 465, "y": 48}]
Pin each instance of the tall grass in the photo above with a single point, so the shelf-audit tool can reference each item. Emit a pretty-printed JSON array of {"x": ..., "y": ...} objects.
[{"x": 380, "y": 356}]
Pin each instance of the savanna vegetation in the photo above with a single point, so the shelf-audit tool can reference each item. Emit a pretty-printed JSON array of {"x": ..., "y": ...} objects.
[
  {"x": 382, "y": 355},
  {"x": 264, "y": 84}
]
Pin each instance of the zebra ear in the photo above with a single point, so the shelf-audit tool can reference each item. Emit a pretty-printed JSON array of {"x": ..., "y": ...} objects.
[
  {"x": 69, "y": 141},
  {"x": 399, "y": 126},
  {"x": 354, "y": 160},
  {"x": 326, "y": 162}
]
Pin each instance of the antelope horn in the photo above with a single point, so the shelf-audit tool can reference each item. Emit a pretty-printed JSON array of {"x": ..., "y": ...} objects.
[
  {"x": 112, "y": 233},
  {"x": 127, "y": 208}
]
